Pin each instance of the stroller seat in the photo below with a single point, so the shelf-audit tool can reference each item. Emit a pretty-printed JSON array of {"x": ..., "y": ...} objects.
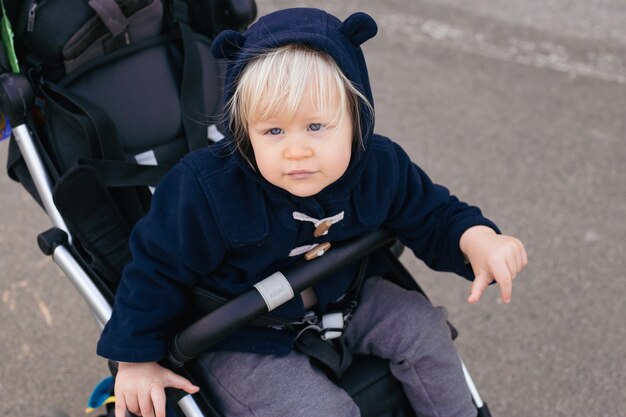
[{"x": 89, "y": 145}]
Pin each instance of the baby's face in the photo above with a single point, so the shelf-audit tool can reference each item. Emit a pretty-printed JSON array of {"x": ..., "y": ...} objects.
[{"x": 306, "y": 153}]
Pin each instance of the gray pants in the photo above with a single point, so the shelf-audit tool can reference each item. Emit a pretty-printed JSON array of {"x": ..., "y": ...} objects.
[{"x": 392, "y": 323}]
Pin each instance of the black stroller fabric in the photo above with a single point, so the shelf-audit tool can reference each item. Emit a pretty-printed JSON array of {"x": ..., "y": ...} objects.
[
  {"x": 95, "y": 221},
  {"x": 119, "y": 110},
  {"x": 89, "y": 30}
]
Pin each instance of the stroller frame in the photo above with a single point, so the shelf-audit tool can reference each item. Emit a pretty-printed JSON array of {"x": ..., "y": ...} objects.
[{"x": 16, "y": 104}]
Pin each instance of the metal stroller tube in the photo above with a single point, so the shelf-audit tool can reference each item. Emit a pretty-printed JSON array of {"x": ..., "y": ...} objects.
[
  {"x": 40, "y": 176},
  {"x": 229, "y": 317}
]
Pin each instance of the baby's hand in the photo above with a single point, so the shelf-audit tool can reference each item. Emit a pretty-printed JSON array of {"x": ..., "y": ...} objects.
[
  {"x": 140, "y": 388},
  {"x": 492, "y": 256}
]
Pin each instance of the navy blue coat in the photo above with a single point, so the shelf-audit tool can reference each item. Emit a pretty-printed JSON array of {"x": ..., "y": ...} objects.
[{"x": 216, "y": 223}]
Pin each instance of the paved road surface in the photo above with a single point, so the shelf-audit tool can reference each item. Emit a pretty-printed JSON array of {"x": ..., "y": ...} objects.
[{"x": 518, "y": 107}]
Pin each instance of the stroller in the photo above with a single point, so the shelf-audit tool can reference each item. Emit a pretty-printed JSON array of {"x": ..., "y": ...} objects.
[{"x": 90, "y": 154}]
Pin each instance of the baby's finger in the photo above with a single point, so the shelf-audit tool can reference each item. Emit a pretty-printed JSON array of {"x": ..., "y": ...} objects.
[
  {"x": 481, "y": 281},
  {"x": 158, "y": 400},
  {"x": 519, "y": 262},
  {"x": 519, "y": 257},
  {"x": 512, "y": 266},
  {"x": 146, "y": 407},
  {"x": 503, "y": 276},
  {"x": 524, "y": 256},
  {"x": 120, "y": 406},
  {"x": 131, "y": 404},
  {"x": 177, "y": 381}
]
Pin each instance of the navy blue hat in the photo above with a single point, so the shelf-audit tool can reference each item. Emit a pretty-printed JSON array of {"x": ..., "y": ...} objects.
[{"x": 312, "y": 27}]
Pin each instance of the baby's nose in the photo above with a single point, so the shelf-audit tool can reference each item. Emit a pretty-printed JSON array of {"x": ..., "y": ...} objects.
[{"x": 297, "y": 149}]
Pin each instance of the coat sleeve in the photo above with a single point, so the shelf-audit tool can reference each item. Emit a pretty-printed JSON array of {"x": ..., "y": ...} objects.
[
  {"x": 429, "y": 220},
  {"x": 174, "y": 245}
]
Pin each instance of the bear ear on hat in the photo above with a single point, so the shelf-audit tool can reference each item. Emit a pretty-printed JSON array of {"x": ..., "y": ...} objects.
[
  {"x": 227, "y": 44},
  {"x": 359, "y": 27}
]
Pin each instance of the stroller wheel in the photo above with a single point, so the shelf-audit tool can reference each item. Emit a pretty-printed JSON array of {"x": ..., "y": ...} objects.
[{"x": 53, "y": 412}]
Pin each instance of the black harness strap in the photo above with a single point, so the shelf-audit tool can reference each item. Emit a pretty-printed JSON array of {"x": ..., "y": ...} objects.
[
  {"x": 111, "y": 15},
  {"x": 196, "y": 106},
  {"x": 332, "y": 355},
  {"x": 126, "y": 174},
  {"x": 97, "y": 125}
]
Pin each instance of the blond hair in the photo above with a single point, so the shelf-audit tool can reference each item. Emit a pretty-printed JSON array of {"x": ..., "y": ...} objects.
[{"x": 274, "y": 82}]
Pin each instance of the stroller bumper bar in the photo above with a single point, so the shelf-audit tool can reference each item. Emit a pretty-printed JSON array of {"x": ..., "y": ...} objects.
[{"x": 252, "y": 304}]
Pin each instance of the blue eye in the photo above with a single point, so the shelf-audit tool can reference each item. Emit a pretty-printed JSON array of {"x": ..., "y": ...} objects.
[
  {"x": 275, "y": 131},
  {"x": 315, "y": 127}
]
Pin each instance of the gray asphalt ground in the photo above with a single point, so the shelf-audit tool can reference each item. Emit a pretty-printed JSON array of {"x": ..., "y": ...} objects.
[{"x": 518, "y": 107}]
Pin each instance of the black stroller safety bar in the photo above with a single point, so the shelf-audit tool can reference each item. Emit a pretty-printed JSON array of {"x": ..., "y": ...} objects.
[{"x": 261, "y": 299}]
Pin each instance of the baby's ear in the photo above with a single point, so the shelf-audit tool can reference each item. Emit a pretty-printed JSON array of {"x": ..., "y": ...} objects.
[
  {"x": 227, "y": 44},
  {"x": 359, "y": 27}
]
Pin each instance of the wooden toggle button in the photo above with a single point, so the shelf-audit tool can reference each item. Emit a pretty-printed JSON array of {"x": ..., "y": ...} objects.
[
  {"x": 317, "y": 251},
  {"x": 322, "y": 228}
]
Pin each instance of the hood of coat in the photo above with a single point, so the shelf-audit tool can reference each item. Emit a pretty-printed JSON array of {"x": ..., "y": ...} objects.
[{"x": 315, "y": 28}]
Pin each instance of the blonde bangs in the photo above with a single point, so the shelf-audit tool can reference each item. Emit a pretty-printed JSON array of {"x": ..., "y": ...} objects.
[{"x": 275, "y": 83}]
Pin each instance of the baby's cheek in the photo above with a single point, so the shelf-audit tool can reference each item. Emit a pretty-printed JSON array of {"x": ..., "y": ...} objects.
[{"x": 267, "y": 168}]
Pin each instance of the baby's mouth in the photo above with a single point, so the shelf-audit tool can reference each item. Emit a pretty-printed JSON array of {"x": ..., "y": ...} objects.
[{"x": 300, "y": 174}]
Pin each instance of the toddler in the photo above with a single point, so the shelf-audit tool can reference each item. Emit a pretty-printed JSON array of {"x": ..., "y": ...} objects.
[{"x": 300, "y": 166}]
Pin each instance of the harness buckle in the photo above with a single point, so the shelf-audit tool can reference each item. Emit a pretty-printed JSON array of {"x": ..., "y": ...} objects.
[{"x": 332, "y": 325}]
